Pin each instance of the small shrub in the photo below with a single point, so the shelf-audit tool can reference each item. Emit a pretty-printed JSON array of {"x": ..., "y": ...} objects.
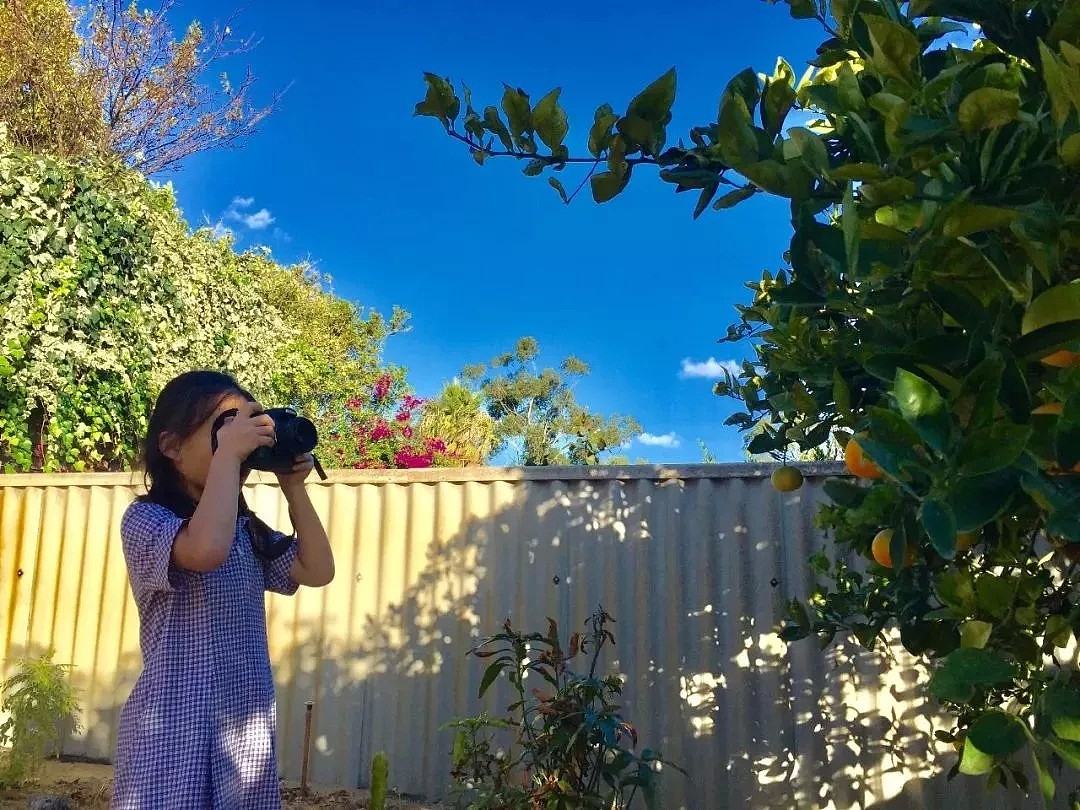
[
  {"x": 39, "y": 701},
  {"x": 572, "y": 749}
]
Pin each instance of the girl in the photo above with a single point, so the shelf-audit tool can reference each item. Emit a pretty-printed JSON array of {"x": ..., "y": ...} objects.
[{"x": 198, "y": 731}]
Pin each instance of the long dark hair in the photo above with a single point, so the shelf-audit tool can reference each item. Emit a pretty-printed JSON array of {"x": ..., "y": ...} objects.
[{"x": 182, "y": 406}]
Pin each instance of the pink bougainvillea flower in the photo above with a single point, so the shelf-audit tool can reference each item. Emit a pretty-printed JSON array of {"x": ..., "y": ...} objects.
[{"x": 382, "y": 387}]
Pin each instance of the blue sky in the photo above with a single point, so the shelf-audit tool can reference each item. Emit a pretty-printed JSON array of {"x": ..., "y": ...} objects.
[{"x": 346, "y": 177}]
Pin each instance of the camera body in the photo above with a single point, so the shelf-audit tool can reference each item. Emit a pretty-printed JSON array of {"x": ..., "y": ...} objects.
[{"x": 295, "y": 436}]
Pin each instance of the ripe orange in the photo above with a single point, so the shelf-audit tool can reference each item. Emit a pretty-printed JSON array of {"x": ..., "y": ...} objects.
[
  {"x": 1062, "y": 359},
  {"x": 1050, "y": 408},
  {"x": 786, "y": 479},
  {"x": 880, "y": 549},
  {"x": 858, "y": 464}
]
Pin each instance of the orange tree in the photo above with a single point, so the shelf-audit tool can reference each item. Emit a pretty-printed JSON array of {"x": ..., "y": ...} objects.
[{"x": 930, "y": 307}]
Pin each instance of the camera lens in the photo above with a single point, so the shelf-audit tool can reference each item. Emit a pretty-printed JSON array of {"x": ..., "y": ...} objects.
[{"x": 304, "y": 434}]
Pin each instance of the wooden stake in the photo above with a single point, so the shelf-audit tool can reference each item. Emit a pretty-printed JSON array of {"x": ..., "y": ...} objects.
[{"x": 307, "y": 749}]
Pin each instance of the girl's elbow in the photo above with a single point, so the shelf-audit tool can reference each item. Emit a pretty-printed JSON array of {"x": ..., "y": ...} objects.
[
  {"x": 192, "y": 554},
  {"x": 323, "y": 578}
]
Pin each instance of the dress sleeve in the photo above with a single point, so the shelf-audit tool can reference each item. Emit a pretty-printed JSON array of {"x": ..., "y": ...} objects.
[
  {"x": 276, "y": 571},
  {"x": 147, "y": 532}
]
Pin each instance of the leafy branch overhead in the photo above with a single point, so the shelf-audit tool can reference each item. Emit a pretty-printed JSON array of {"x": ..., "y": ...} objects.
[
  {"x": 616, "y": 142},
  {"x": 926, "y": 319}
]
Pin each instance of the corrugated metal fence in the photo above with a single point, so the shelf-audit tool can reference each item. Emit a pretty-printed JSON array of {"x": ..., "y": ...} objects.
[{"x": 693, "y": 562}]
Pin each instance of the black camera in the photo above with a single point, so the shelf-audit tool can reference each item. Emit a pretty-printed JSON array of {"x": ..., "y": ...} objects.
[{"x": 295, "y": 436}]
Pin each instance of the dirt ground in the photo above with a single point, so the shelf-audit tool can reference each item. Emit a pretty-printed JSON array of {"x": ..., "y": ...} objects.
[{"x": 87, "y": 786}]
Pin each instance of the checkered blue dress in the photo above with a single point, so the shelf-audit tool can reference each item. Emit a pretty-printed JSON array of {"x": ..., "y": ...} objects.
[{"x": 198, "y": 731}]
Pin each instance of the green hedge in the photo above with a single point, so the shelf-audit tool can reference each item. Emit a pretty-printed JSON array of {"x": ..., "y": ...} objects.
[{"x": 105, "y": 294}]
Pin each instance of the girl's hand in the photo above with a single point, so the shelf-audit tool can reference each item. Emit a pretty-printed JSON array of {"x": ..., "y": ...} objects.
[
  {"x": 244, "y": 433},
  {"x": 302, "y": 467}
]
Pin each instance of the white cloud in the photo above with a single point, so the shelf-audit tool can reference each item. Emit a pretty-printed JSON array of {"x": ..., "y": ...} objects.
[
  {"x": 711, "y": 369},
  {"x": 668, "y": 440},
  {"x": 238, "y": 211},
  {"x": 259, "y": 220}
]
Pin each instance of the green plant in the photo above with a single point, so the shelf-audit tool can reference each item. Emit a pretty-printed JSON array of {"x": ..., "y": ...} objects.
[
  {"x": 39, "y": 701},
  {"x": 380, "y": 769},
  {"x": 929, "y": 304},
  {"x": 564, "y": 745}
]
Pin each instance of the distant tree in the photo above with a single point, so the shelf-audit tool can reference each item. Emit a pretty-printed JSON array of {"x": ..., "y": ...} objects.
[
  {"x": 536, "y": 413},
  {"x": 458, "y": 417},
  {"x": 46, "y": 102},
  {"x": 158, "y": 108},
  {"x": 115, "y": 80}
]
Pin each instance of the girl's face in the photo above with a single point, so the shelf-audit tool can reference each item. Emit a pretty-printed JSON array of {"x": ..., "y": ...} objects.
[{"x": 191, "y": 456}]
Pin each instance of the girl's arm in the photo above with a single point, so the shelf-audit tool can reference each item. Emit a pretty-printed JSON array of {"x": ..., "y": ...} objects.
[
  {"x": 314, "y": 563},
  {"x": 203, "y": 544}
]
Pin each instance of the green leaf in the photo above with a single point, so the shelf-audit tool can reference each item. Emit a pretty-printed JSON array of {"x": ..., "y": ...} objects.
[
  {"x": 956, "y": 589},
  {"x": 1047, "y": 340},
  {"x": 533, "y": 168},
  {"x": 988, "y": 108},
  {"x": 1058, "y": 630},
  {"x": 494, "y": 124},
  {"x": 441, "y": 102},
  {"x": 969, "y": 218},
  {"x": 600, "y": 135},
  {"x": 802, "y": 9},
  {"x": 515, "y": 104},
  {"x": 1046, "y": 781},
  {"x": 745, "y": 85},
  {"x": 1058, "y": 304},
  {"x": 783, "y": 179},
  {"x": 640, "y": 134},
  {"x": 555, "y": 184},
  {"x": 1070, "y": 151},
  {"x": 992, "y": 449},
  {"x": 807, "y": 146},
  {"x": 894, "y": 46},
  {"x": 997, "y": 734},
  {"x": 1057, "y": 85},
  {"x": 549, "y": 120},
  {"x": 841, "y": 393},
  {"x": 966, "y": 669},
  {"x": 923, "y": 407},
  {"x": 735, "y": 133},
  {"x": 1067, "y": 750},
  {"x": 704, "y": 199},
  {"x": 733, "y": 198},
  {"x": 975, "y": 634},
  {"x": 1061, "y": 703},
  {"x": 778, "y": 98},
  {"x": 849, "y": 221},
  {"x": 1065, "y": 521},
  {"x": 607, "y": 185},
  {"x": 844, "y": 492},
  {"x": 653, "y": 104},
  {"x": 995, "y": 594},
  {"x": 490, "y": 674},
  {"x": 940, "y": 524},
  {"x": 1067, "y": 434}
]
